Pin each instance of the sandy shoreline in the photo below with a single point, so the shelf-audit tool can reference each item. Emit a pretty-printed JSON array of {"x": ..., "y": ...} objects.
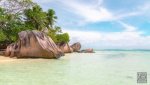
[{"x": 4, "y": 59}]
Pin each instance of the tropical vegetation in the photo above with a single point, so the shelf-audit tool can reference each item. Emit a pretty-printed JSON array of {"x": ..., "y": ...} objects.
[{"x": 20, "y": 15}]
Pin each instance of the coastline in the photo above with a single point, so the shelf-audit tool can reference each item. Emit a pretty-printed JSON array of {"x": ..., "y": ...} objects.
[{"x": 4, "y": 59}]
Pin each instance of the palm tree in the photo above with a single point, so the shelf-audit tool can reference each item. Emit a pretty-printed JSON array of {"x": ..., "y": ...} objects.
[
  {"x": 35, "y": 17},
  {"x": 51, "y": 17}
]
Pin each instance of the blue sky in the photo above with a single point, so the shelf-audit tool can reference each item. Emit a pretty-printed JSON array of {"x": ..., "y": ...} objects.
[{"x": 104, "y": 24}]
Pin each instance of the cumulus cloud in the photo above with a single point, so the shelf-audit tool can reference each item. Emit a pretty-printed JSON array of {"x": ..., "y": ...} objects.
[{"x": 111, "y": 40}]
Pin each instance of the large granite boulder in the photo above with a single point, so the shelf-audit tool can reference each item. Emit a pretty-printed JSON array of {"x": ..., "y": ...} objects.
[
  {"x": 65, "y": 47},
  {"x": 33, "y": 44},
  {"x": 76, "y": 47}
]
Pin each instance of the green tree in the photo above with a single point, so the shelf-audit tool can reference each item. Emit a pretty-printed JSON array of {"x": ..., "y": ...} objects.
[
  {"x": 51, "y": 17},
  {"x": 10, "y": 25},
  {"x": 35, "y": 18},
  {"x": 11, "y": 18},
  {"x": 19, "y": 15},
  {"x": 62, "y": 38},
  {"x": 2, "y": 36},
  {"x": 57, "y": 35}
]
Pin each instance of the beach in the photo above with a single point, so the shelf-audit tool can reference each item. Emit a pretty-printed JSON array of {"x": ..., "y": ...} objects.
[
  {"x": 4, "y": 59},
  {"x": 100, "y": 68}
]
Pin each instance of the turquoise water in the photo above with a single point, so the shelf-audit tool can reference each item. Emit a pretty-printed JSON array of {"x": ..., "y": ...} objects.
[{"x": 100, "y": 68}]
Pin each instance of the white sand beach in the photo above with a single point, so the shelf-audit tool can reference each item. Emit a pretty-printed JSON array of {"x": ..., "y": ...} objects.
[{"x": 4, "y": 59}]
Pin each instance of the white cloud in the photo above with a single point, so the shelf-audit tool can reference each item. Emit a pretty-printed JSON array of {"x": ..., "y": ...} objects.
[
  {"x": 129, "y": 38},
  {"x": 88, "y": 12},
  {"x": 127, "y": 27},
  {"x": 125, "y": 15},
  {"x": 145, "y": 7},
  {"x": 89, "y": 37},
  {"x": 95, "y": 12}
]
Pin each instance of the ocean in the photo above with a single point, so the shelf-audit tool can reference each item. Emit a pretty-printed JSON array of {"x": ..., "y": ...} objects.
[{"x": 99, "y": 68}]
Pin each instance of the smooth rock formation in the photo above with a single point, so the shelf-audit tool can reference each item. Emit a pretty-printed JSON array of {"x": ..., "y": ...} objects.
[
  {"x": 12, "y": 50},
  {"x": 89, "y": 50},
  {"x": 65, "y": 47},
  {"x": 76, "y": 47},
  {"x": 33, "y": 44}
]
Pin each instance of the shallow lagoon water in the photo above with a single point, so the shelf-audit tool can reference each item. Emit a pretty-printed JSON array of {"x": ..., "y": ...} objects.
[{"x": 100, "y": 68}]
